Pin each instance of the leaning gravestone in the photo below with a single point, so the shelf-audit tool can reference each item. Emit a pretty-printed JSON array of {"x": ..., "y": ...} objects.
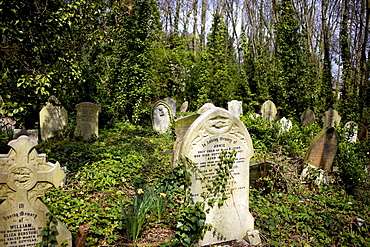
[
  {"x": 24, "y": 177},
  {"x": 87, "y": 120},
  {"x": 215, "y": 131},
  {"x": 53, "y": 119},
  {"x": 307, "y": 117},
  {"x": 235, "y": 107},
  {"x": 162, "y": 116},
  {"x": 184, "y": 106},
  {"x": 268, "y": 110},
  {"x": 322, "y": 149},
  {"x": 331, "y": 118}
]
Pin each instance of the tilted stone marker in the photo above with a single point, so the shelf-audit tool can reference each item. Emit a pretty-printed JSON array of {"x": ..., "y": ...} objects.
[
  {"x": 323, "y": 149},
  {"x": 351, "y": 131},
  {"x": 184, "y": 106},
  {"x": 53, "y": 118},
  {"x": 235, "y": 107},
  {"x": 268, "y": 110},
  {"x": 307, "y": 117},
  {"x": 24, "y": 177},
  {"x": 212, "y": 132},
  {"x": 331, "y": 118},
  {"x": 87, "y": 120},
  {"x": 162, "y": 116}
]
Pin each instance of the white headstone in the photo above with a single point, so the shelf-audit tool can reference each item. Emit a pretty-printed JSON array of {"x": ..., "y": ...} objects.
[
  {"x": 53, "y": 119},
  {"x": 162, "y": 116},
  {"x": 268, "y": 110},
  {"x": 214, "y": 131},
  {"x": 235, "y": 107},
  {"x": 24, "y": 177},
  {"x": 285, "y": 125},
  {"x": 87, "y": 120}
]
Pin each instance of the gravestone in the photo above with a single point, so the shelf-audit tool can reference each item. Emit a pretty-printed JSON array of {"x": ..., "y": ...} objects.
[
  {"x": 307, "y": 117},
  {"x": 268, "y": 110},
  {"x": 53, "y": 118},
  {"x": 205, "y": 108},
  {"x": 364, "y": 133},
  {"x": 7, "y": 124},
  {"x": 172, "y": 103},
  {"x": 351, "y": 131},
  {"x": 322, "y": 149},
  {"x": 24, "y": 177},
  {"x": 33, "y": 134},
  {"x": 214, "y": 131},
  {"x": 235, "y": 107},
  {"x": 184, "y": 106},
  {"x": 285, "y": 125},
  {"x": 331, "y": 118},
  {"x": 87, "y": 120},
  {"x": 162, "y": 116}
]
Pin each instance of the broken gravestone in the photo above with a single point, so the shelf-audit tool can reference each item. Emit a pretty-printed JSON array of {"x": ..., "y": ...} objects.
[
  {"x": 87, "y": 120},
  {"x": 268, "y": 110},
  {"x": 285, "y": 125},
  {"x": 53, "y": 118},
  {"x": 323, "y": 149},
  {"x": 235, "y": 107},
  {"x": 215, "y": 131},
  {"x": 24, "y": 177},
  {"x": 162, "y": 116}
]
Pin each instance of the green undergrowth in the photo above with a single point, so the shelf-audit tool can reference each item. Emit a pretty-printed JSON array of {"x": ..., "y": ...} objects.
[{"x": 106, "y": 176}]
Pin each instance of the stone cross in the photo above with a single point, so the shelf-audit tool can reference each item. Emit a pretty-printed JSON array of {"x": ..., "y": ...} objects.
[
  {"x": 214, "y": 131},
  {"x": 331, "y": 118},
  {"x": 268, "y": 110},
  {"x": 24, "y": 177}
]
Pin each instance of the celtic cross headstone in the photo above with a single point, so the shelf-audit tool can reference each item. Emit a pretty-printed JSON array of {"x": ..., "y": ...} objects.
[{"x": 24, "y": 177}]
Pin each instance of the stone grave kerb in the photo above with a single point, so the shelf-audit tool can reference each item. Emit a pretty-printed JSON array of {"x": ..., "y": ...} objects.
[{"x": 24, "y": 177}]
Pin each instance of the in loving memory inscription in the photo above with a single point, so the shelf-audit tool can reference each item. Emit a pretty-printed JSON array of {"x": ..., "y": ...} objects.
[{"x": 214, "y": 131}]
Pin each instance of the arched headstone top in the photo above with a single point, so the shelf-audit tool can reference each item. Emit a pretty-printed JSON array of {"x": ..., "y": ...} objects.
[
  {"x": 162, "y": 116},
  {"x": 268, "y": 110}
]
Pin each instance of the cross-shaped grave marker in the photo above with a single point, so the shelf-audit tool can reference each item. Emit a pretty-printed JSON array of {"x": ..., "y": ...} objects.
[{"x": 24, "y": 177}]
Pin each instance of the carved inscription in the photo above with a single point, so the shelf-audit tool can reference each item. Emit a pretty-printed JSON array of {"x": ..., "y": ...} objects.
[{"x": 206, "y": 155}]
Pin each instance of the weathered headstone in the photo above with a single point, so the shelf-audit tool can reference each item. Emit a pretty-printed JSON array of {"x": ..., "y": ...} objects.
[
  {"x": 364, "y": 132},
  {"x": 323, "y": 149},
  {"x": 235, "y": 107},
  {"x": 162, "y": 116},
  {"x": 184, "y": 106},
  {"x": 24, "y": 176},
  {"x": 268, "y": 110},
  {"x": 285, "y": 125},
  {"x": 213, "y": 132},
  {"x": 205, "y": 108},
  {"x": 172, "y": 103},
  {"x": 181, "y": 125},
  {"x": 351, "y": 131},
  {"x": 53, "y": 118},
  {"x": 307, "y": 117},
  {"x": 87, "y": 120},
  {"x": 331, "y": 118},
  {"x": 33, "y": 134}
]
